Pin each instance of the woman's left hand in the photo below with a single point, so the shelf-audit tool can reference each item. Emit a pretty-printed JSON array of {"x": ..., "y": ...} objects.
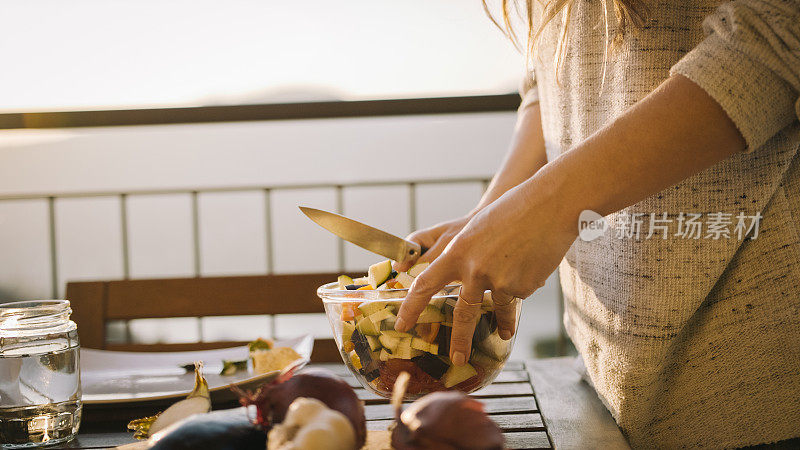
[{"x": 510, "y": 248}]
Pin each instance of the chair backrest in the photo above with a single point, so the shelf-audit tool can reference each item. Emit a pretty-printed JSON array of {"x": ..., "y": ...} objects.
[{"x": 96, "y": 302}]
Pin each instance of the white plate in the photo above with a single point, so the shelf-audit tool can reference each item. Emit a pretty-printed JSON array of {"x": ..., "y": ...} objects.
[{"x": 109, "y": 377}]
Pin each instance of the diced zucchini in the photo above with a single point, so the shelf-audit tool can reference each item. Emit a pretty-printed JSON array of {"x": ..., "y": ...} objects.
[
  {"x": 430, "y": 314},
  {"x": 379, "y": 273},
  {"x": 458, "y": 374},
  {"x": 434, "y": 349},
  {"x": 374, "y": 343},
  {"x": 404, "y": 280},
  {"x": 420, "y": 344},
  {"x": 494, "y": 346},
  {"x": 383, "y": 314},
  {"x": 369, "y": 308},
  {"x": 361, "y": 280},
  {"x": 416, "y": 353},
  {"x": 366, "y": 327},
  {"x": 417, "y": 269},
  {"x": 404, "y": 349},
  {"x": 347, "y": 330},
  {"x": 484, "y": 360},
  {"x": 397, "y": 334},
  {"x": 384, "y": 356},
  {"x": 344, "y": 280},
  {"x": 389, "y": 342}
]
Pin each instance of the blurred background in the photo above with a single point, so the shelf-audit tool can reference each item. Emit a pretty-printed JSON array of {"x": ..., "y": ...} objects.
[{"x": 156, "y": 139}]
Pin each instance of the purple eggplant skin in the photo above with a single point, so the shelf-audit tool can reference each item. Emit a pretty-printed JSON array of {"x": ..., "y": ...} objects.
[
  {"x": 229, "y": 429},
  {"x": 447, "y": 421}
]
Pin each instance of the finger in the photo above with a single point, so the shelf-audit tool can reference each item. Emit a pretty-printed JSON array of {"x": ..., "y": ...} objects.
[
  {"x": 429, "y": 282},
  {"x": 465, "y": 317},
  {"x": 505, "y": 310},
  {"x": 425, "y": 238}
]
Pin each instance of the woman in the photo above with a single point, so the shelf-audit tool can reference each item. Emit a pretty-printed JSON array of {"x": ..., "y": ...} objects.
[{"x": 690, "y": 334}]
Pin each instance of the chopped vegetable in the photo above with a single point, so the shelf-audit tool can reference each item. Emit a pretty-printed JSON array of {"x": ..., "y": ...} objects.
[
  {"x": 344, "y": 281},
  {"x": 380, "y": 272},
  {"x": 198, "y": 401},
  {"x": 232, "y": 367},
  {"x": 260, "y": 344}
]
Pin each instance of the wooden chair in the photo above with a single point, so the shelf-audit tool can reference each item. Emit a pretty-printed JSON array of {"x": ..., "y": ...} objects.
[{"x": 96, "y": 302}]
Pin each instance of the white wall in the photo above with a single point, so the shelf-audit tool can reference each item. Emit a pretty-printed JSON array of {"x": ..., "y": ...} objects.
[{"x": 231, "y": 225}]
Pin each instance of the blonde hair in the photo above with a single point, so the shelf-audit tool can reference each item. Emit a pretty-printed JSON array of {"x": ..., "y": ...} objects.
[{"x": 630, "y": 16}]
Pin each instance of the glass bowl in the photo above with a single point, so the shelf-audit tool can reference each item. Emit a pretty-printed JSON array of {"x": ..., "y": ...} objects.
[{"x": 363, "y": 326}]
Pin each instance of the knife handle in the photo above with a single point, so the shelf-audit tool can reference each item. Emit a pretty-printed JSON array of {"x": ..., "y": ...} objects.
[{"x": 412, "y": 252}]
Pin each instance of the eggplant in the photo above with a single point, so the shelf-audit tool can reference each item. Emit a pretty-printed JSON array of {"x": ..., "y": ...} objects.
[
  {"x": 354, "y": 287},
  {"x": 487, "y": 325},
  {"x": 431, "y": 364},
  {"x": 443, "y": 340},
  {"x": 229, "y": 429}
]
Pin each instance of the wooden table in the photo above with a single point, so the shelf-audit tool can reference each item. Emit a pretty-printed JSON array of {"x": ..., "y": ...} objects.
[{"x": 538, "y": 404}]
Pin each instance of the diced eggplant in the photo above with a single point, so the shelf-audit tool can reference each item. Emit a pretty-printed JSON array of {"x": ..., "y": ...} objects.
[
  {"x": 483, "y": 360},
  {"x": 361, "y": 345},
  {"x": 378, "y": 273},
  {"x": 431, "y": 364},
  {"x": 370, "y": 374},
  {"x": 458, "y": 374},
  {"x": 443, "y": 340},
  {"x": 384, "y": 355},
  {"x": 354, "y": 287}
]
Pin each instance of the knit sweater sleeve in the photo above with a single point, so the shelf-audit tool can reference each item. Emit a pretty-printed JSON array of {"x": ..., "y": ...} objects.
[
  {"x": 528, "y": 90},
  {"x": 749, "y": 62}
]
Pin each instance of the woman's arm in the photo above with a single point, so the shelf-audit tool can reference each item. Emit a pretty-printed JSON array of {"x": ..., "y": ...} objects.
[
  {"x": 512, "y": 245},
  {"x": 525, "y": 157}
]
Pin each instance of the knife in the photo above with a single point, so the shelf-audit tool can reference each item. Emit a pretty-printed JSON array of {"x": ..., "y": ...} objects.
[{"x": 365, "y": 236}]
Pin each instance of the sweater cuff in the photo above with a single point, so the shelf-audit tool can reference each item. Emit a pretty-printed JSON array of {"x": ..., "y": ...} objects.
[
  {"x": 758, "y": 102},
  {"x": 529, "y": 91}
]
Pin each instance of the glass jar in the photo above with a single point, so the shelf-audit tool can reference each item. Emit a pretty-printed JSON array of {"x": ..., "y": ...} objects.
[{"x": 40, "y": 384}]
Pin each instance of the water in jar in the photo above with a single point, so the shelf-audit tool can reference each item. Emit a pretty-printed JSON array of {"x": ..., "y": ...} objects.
[{"x": 39, "y": 388}]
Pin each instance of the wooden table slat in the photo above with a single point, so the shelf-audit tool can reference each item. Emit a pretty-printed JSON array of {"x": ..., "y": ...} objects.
[
  {"x": 493, "y": 390},
  {"x": 506, "y": 422},
  {"x": 491, "y": 405},
  {"x": 528, "y": 440}
]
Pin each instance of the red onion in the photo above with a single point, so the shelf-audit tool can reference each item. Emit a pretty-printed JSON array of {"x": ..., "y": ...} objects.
[{"x": 443, "y": 420}]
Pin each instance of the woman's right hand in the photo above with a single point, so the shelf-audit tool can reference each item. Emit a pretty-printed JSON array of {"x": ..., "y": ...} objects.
[{"x": 435, "y": 239}]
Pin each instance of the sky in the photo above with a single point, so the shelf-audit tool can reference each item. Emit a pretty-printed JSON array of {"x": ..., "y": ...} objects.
[{"x": 99, "y": 54}]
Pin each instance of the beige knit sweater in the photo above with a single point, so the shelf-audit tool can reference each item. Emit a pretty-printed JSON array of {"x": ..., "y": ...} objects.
[{"x": 690, "y": 342}]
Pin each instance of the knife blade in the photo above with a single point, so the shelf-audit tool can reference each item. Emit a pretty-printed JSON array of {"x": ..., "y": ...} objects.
[{"x": 365, "y": 236}]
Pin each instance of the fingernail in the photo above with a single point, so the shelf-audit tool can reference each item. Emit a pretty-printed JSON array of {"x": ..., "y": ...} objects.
[
  {"x": 458, "y": 358},
  {"x": 505, "y": 335},
  {"x": 400, "y": 324}
]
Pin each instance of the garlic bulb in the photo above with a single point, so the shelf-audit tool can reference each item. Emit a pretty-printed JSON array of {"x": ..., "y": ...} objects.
[{"x": 310, "y": 425}]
